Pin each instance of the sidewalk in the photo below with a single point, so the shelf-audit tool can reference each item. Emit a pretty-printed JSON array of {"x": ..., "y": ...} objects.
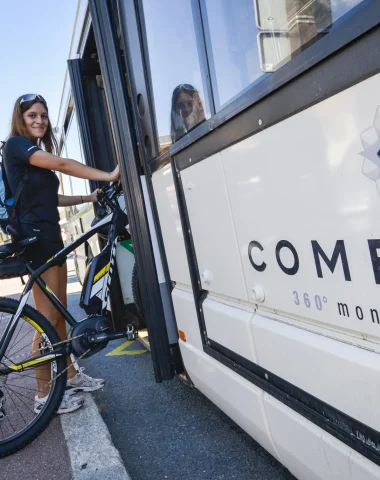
[{"x": 73, "y": 447}]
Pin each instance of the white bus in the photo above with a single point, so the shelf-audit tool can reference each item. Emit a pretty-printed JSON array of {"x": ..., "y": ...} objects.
[{"x": 248, "y": 137}]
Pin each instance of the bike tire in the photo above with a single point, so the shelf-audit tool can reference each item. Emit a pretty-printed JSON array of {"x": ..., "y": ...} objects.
[{"x": 42, "y": 420}]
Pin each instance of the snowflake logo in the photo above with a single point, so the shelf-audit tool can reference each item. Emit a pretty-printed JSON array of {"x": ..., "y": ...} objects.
[{"x": 370, "y": 139}]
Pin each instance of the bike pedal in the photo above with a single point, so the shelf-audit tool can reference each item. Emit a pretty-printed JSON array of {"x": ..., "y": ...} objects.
[{"x": 130, "y": 333}]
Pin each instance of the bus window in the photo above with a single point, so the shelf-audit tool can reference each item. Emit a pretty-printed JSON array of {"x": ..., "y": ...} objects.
[
  {"x": 73, "y": 150},
  {"x": 178, "y": 84},
  {"x": 248, "y": 38},
  {"x": 66, "y": 183}
]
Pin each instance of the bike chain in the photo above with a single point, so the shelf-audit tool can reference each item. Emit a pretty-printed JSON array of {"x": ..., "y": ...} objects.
[
  {"x": 53, "y": 345},
  {"x": 65, "y": 369}
]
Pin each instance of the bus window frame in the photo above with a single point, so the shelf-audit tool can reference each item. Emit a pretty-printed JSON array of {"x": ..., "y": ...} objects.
[{"x": 354, "y": 24}]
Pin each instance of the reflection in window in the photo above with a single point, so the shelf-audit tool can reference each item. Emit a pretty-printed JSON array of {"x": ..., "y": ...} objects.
[
  {"x": 73, "y": 150},
  {"x": 178, "y": 85},
  {"x": 251, "y": 37},
  {"x": 186, "y": 110}
]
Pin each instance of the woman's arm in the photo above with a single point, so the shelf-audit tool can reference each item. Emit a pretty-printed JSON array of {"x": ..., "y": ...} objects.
[
  {"x": 71, "y": 167},
  {"x": 70, "y": 200}
]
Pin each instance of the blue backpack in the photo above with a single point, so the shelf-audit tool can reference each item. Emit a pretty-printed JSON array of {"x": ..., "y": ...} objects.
[{"x": 8, "y": 204}]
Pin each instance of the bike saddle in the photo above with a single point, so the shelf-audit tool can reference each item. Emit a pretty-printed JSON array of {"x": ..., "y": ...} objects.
[{"x": 15, "y": 247}]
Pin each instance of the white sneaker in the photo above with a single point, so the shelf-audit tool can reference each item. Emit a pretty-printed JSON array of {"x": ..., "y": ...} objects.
[
  {"x": 69, "y": 403},
  {"x": 83, "y": 383}
]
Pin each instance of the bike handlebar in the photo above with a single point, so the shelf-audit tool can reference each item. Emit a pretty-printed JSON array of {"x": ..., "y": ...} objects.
[{"x": 109, "y": 193}]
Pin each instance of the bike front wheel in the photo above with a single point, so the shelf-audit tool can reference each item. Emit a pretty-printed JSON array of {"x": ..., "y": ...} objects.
[{"x": 29, "y": 368}]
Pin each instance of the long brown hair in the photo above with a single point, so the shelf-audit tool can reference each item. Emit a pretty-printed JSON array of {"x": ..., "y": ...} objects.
[{"x": 18, "y": 128}]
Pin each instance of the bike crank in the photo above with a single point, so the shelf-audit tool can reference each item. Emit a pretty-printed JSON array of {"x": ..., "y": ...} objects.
[
  {"x": 94, "y": 333},
  {"x": 130, "y": 333}
]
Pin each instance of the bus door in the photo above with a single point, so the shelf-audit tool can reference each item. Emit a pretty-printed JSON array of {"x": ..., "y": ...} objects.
[
  {"x": 132, "y": 150},
  {"x": 98, "y": 151}
]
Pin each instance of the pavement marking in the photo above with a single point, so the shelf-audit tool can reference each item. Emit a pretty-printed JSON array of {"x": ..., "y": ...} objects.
[
  {"x": 122, "y": 349},
  {"x": 91, "y": 451}
]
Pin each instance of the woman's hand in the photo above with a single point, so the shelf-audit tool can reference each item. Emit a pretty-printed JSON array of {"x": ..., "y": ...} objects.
[
  {"x": 94, "y": 196},
  {"x": 115, "y": 175}
]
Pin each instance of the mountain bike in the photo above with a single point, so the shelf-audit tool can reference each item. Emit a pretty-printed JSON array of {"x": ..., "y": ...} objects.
[{"x": 29, "y": 341}]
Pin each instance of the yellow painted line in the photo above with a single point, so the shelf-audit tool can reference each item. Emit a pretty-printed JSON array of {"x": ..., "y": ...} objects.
[
  {"x": 102, "y": 272},
  {"x": 122, "y": 349}
]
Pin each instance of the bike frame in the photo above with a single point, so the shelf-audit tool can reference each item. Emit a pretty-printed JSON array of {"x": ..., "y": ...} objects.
[{"x": 35, "y": 277}]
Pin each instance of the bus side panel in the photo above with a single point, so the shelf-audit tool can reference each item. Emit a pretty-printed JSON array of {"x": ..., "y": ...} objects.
[
  {"x": 186, "y": 316},
  {"x": 305, "y": 449},
  {"x": 213, "y": 229},
  {"x": 340, "y": 374},
  {"x": 168, "y": 212},
  {"x": 311, "y": 453},
  {"x": 230, "y": 326},
  {"x": 238, "y": 398},
  {"x": 306, "y": 207}
]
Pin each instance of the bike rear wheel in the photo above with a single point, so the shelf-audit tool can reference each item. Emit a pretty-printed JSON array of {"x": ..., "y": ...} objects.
[{"x": 34, "y": 336}]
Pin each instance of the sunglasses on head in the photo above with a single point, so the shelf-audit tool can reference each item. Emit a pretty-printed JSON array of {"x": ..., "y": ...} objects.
[
  {"x": 29, "y": 97},
  {"x": 186, "y": 86}
]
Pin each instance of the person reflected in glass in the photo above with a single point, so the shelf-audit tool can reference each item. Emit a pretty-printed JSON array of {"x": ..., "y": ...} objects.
[{"x": 187, "y": 110}]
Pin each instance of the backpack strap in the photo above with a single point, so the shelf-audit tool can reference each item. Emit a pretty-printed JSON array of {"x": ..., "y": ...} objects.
[
  {"x": 20, "y": 186},
  {"x": 2, "y": 169}
]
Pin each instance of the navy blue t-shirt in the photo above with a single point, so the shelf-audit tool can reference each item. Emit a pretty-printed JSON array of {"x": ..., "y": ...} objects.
[{"x": 38, "y": 204}]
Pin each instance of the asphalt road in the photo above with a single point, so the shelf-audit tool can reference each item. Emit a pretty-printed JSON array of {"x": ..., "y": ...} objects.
[
  {"x": 170, "y": 430},
  {"x": 163, "y": 431}
]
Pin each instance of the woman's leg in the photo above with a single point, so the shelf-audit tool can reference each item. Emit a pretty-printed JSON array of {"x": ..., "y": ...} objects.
[
  {"x": 56, "y": 279},
  {"x": 62, "y": 295}
]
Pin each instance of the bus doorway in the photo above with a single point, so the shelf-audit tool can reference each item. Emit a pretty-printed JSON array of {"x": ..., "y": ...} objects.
[{"x": 99, "y": 139}]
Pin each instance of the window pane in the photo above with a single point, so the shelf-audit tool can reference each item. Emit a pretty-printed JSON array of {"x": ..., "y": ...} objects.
[
  {"x": 73, "y": 150},
  {"x": 178, "y": 86},
  {"x": 251, "y": 37}
]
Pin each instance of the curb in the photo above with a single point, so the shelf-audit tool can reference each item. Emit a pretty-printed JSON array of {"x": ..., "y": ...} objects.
[{"x": 92, "y": 454}]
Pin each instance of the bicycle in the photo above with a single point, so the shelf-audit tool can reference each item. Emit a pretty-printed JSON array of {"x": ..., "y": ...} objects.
[{"x": 29, "y": 341}]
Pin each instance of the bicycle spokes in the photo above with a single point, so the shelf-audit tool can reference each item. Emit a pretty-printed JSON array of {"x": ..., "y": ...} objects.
[{"x": 28, "y": 361}]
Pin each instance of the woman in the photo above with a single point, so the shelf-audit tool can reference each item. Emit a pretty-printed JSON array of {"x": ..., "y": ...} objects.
[
  {"x": 187, "y": 110},
  {"x": 32, "y": 146}
]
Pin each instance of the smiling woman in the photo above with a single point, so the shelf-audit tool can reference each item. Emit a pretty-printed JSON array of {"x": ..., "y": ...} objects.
[
  {"x": 29, "y": 158},
  {"x": 33, "y": 123},
  {"x": 36, "y": 120}
]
